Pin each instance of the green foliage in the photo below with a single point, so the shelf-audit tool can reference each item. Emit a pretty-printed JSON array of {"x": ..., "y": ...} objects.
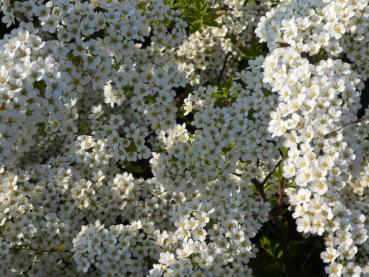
[
  {"x": 83, "y": 127},
  {"x": 76, "y": 60},
  {"x": 41, "y": 86},
  {"x": 224, "y": 97},
  {"x": 271, "y": 247},
  {"x": 139, "y": 169},
  {"x": 315, "y": 59},
  {"x": 253, "y": 50},
  {"x": 197, "y": 13},
  {"x": 284, "y": 252},
  {"x": 279, "y": 173}
]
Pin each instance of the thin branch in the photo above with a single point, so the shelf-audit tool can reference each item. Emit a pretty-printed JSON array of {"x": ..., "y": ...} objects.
[
  {"x": 281, "y": 192},
  {"x": 260, "y": 185},
  {"x": 40, "y": 250},
  {"x": 260, "y": 188},
  {"x": 223, "y": 67},
  {"x": 346, "y": 125}
]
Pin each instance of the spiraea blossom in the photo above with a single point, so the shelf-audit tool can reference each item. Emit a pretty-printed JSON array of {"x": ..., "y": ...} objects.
[
  {"x": 160, "y": 137},
  {"x": 318, "y": 118}
]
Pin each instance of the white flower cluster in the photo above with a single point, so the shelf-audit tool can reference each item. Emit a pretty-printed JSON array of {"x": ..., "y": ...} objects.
[
  {"x": 88, "y": 89},
  {"x": 36, "y": 104},
  {"x": 123, "y": 151},
  {"x": 317, "y": 117},
  {"x": 118, "y": 251},
  {"x": 216, "y": 51}
]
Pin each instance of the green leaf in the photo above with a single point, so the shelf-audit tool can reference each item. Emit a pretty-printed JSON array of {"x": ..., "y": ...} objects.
[
  {"x": 41, "y": 86},
  {"x": 266, "y": 245},
  {"x": 254, "y": 49},
  {"x": 170, "y": 3},
  {"x": 83, "y": 127},
  {"x": 217, "y": 95},
  {"x": 178, "y": 6},
  {"x": 195, "y": 26},
  {"x": 279, "y": 172},
  {"x": 135, "y": 169},
  {"x": 201, "y": 6},
  {"x": 197, "y": 13},
  {"x": 279, "y": 254},
  {"x": 61, "y": 249},
  {"x": 190, "y": 18},
  {"x": 284, "y": 150},
  {"x": 212, "y": 23}
]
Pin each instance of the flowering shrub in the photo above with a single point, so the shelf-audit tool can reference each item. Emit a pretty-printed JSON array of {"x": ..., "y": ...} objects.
[{"x": 178, "y": 137}]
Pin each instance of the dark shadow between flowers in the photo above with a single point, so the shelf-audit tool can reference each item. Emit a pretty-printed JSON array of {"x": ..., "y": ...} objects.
[{"x": 284, "y": 252}]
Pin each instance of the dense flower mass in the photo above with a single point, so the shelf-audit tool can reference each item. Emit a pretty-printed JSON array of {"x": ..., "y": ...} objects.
[{"x": 158, "y": 137}]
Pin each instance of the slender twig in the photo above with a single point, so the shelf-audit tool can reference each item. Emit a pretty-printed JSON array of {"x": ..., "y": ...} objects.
[
  {"x": 40, "y": 250},
  {"x": 275, "y": 168},
  {"x": 260, "y": 185},
  {"x": 260, "y": 188},
  {"x": 346, "y": 125},
  {"x": 281, "y": 192},
  {"x": 223, "y": 67}
]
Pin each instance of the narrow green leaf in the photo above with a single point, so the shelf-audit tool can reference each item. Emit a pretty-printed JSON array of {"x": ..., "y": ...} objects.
[
  {"x": 195, "y": 26},
  {"x": 212, "y": 23}
]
